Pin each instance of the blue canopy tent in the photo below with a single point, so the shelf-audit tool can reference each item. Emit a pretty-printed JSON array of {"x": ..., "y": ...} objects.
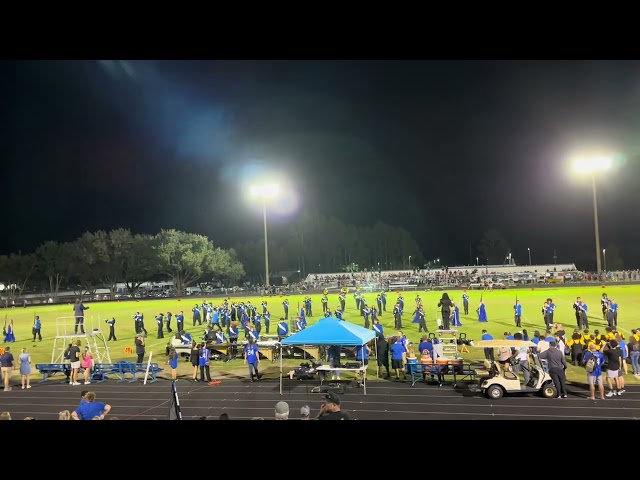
[{"x": 329, "y": 331}]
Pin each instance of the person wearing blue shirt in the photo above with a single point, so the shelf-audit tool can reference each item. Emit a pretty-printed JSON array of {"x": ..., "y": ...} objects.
[
  {"x": 285, "y": 305},
  {"x": 196, "y": 315},
  {"x": 251, "y": 358},
  {"x": 426, "y": 344},
  {"x": 327, "y": 313},
  {"x": 488, "y": 352},
  {"x": 220, "y": 337},
  {"x": 37, "y": 325},
  {"x": 215, "y": 319},
  {"x": 180, "y": 321},
  {"x": 377, "y": 327},
  {"x": 204, "y": 361},
  {"x": 596, "y": 375},
  {"x": 362, "y": 356},
  {"x": 402, "y": 340},
  {"x": 283, "y": 329},
  {"x": 549, "y": 314},
  {"x": 612, "y": 313},
  {"x": 517, "y": 308},
  {"x": 552, "y": 309},
  {"x": 338, "y": 314},
  {"x": 90, "y": 409},
  {"x": 258, "y": 323},
  {"x": 301, "y": 323},
  {"x": 398, "y": 357},
  {"x": 252, "y": 334}
]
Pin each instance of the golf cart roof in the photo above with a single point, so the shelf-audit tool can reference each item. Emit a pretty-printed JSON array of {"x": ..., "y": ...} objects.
[{"x": 503, "y": 343}]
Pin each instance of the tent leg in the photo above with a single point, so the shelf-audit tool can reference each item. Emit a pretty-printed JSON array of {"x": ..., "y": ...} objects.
[
  {"x": 280, "y": 369},
  {"x": 375, "y": 345}
]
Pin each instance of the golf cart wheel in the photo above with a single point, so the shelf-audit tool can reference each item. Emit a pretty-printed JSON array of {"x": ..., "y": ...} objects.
[
  {"x": 495, "y": 392},
  {"x": 549, "y": 391}
]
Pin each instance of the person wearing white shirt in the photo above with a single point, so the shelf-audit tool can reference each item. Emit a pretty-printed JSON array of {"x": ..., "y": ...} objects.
[{"x": 543, "y": 345}]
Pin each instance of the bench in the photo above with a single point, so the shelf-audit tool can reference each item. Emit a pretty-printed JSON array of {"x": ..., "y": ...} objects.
[
  {"x": 49, "y": 369},
  {"x": 102, "y": 371},
  {"x": 417, "y": 370},
  {"x": 154, "y": 370}
]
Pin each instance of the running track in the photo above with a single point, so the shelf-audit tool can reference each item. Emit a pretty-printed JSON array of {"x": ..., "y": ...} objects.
[{"x": 385, "y": 400}]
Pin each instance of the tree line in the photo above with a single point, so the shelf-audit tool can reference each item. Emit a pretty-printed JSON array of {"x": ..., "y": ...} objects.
[
  {"x": 104, "y": 259},
  {"x": 315, "y": 243}
]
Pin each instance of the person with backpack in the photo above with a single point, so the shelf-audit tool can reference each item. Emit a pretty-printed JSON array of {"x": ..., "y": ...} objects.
[{"x": 593, "y": 361}]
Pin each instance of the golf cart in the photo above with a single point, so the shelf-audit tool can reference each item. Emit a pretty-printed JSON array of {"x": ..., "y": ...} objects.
[{"x": 495, "y": 381}]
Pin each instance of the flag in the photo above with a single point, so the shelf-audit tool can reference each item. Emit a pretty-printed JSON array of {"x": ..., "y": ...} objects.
[{"x": 174, "y": 404}]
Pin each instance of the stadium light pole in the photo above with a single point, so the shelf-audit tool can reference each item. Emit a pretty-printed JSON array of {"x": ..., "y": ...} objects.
[
  {"x": 529, "y": 256},
  {"x": 477, "y": 260},
  {"x": 265, "y": 192},
  {"x": 604, "y": 257},
  {"x": 592, "y": 166},
  {"x": 409, "y": 262}
]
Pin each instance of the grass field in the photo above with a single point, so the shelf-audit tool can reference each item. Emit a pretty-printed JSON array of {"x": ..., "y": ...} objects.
[{"x": 499, "y": 305}]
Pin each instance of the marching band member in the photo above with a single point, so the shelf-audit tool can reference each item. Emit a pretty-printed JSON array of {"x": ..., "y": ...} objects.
[
  {"x": 283, "y": 329},
  {"x": 379, "y": 329}
]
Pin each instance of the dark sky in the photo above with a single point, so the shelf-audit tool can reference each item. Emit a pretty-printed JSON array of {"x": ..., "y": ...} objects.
[{"x": 446, "y": 149}]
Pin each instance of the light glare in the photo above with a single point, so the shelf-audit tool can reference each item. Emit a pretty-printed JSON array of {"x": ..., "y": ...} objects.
[
  {"x": 265, "y": 191},
  {"x": 592, "y": 164}
]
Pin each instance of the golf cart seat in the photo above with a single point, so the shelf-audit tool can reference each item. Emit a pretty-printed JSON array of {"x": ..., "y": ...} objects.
[
  {"x": 509, "y": 375},
  {"x": 484, "y": 369}
]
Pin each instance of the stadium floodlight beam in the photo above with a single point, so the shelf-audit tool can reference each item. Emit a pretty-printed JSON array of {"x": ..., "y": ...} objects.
[
  {"x": 604, "y": 256},
  {"x": 265, "y": 192},
  {"x": 593, "y": 166},
  {"x": 409, "y": 262},
  {"x": 529, "y": 256}
]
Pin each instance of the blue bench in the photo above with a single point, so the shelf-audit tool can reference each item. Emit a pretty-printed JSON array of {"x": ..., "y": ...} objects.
[
  {"x": 47, "y": 370},
  {"x": 102, "y": 371},
  {"x": 154, "y": 370}
]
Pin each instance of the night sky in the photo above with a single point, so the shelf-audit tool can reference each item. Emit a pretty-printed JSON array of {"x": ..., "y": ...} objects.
[{"x": 446, "y": 149}]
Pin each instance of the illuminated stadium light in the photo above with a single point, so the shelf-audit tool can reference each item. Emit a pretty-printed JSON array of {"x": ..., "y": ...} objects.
[
  {"x": 265, "y": 192},
  {"x": 592, "y": 164}
]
